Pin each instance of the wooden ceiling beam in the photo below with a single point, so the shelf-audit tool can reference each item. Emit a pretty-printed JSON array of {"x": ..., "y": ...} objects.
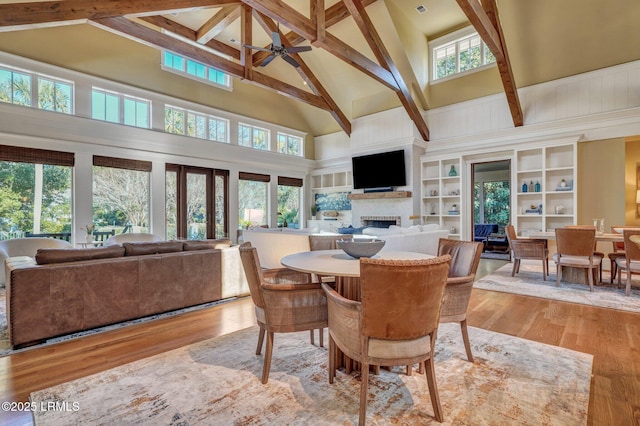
[
  {"x": 307, "y": 74},
  {"x": 481, "y": 22},
  {"x": 48, "y": 12},
  {"x": 504, "y": 66},
  {"x": 246, "y": 31},
  {"x": 218, "y": 22},
  {"x": 317, "y": 12},
  {"x": 289, "y": 17},
  {"x": 361, "y": 18},
  {"x": 188, "y": 33},
  {"x": 156, "y": 39}
]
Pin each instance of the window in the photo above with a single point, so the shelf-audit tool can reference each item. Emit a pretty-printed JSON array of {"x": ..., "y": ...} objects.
[
  {"x": 289, "y": 144},
  {"x": 16, "y": 87},
  {"x": 35, "y": 192},
  {"x": 289, "y": 202},
  {"x": 252, "y": 199},
  {"x": 121, "y": 194},
  {"x": 190, "y": 68},
  {"x": 459, "y": 52},
  {"x": 118, "y": 108},
  {"x": 253, "y": 137},
  {"x": 195, "y": 124}
]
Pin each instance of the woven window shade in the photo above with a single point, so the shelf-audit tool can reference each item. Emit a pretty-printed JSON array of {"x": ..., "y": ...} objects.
[
  {"x": 254, "y": 176},
  {"x": 37, "y": 156},
  {"x": 121, "y": 163},
  {"x": 287, "y": 181}
]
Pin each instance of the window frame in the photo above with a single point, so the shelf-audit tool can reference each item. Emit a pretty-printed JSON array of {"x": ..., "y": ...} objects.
[
  {"x": 122, "y": 97},
  {"x": 290, "y": 136},
  {"x": 455, "y": 38},
  {"x": 252, "y": 128},
  {"x": 188, "y": 114},
  {"x": 228, "y": 85}
]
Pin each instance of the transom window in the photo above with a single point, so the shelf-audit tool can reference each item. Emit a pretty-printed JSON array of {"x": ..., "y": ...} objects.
[
  {"x": 51, "y": 94},
  {"x": 195, "y": 124},
  {"x": 118, "y": 108},
  {"x": 459, "y": 52},
  {"x": 190, "y": 68},
  {"x": 253, "y": 137},
  {"x": 289, "y": 144}
]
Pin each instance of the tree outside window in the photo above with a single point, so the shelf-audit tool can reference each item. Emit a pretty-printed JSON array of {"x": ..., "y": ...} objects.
[
  {"x": 121, "y": 199},
  {"x": 492, "y": 203},
  {"x": 252, "y": 203},
  {"x": 289, "y": 206}
]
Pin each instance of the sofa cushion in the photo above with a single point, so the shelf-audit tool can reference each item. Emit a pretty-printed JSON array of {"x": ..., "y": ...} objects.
[
  {"x": 46, "y": 256},
  {"x": 206, "y": 244},
  {"x": 140, "y": 249}
]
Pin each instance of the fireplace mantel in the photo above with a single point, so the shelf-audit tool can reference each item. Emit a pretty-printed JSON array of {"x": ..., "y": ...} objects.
[{"x": 375, "y": 195}]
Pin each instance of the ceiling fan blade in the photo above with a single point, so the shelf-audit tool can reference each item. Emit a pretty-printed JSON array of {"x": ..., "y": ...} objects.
[
  {"x": 256, "y": 48},
  {"x": 275, "y": 36},
  {"x": 269, "y": 59},
  {"x": 291, "y": 61},
  {"x": 298, "y": 49}
]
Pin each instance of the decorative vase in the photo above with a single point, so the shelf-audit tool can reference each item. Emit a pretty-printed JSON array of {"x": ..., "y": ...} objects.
[
  {"x": 89, "y": 238},
  {"x": 452, "y": 171}
]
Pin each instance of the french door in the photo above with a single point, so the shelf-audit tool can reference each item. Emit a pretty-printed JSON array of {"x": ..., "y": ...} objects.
[{"x": 196, "y": 202}]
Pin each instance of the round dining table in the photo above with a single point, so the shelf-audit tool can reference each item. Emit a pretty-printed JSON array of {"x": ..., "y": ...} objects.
[{"x": 344, "y": 268}]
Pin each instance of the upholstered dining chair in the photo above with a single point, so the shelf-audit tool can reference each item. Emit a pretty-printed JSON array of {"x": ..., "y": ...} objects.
[
  {"x": 465, "y": 257},
  {"x": 326, "y": 242},
  {"x": 630, "y": 263},
  {"x": 618, "y": 250},
  {"x": 524, "y": 248},
  {"x": 575, "y": 250},
  {"x": 285, "y": 301},
  {"x": 595, "y": 243},
  {"x": 395, "y": 323}
]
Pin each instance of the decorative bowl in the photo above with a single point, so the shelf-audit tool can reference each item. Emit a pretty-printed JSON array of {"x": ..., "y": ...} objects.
[{"x": 361, "y": 247}]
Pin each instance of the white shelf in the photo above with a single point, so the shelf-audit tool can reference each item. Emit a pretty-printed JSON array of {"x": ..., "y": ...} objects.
[{"x": 435, "y": 177}]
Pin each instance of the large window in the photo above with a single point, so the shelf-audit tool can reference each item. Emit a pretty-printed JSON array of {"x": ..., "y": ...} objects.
[
  {"x": 51, "y": 94},
  {"x": 121, "y": 194},
  {"x": 492, "y": 201},
  {"x": 253, "y": 137},
  {"x": 289, "y": 144},
  {"x": 190, "y": 68},
  {"x": 253, "y": 190},
  {"x": 457, "y": 53},
  {"x": 35, "y": 192},
  {"x": 118, "y": 108},
  {"x": 289, "y": 202},
  {"x": 195, "y": 124}
]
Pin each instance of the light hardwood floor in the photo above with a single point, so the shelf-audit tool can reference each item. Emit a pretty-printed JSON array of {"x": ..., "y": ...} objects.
[{"x": 613, "y": 337}]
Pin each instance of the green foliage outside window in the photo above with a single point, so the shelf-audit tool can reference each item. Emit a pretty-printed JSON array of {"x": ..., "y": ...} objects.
[{"x": 492, "y": 204}]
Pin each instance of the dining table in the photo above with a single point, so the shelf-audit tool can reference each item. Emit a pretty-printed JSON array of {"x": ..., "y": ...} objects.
[{"x": 344, "y": 268}]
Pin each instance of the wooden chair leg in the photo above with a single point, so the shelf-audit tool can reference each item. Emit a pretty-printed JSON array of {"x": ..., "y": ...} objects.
[
  {"x": 518, "y": 268},
  {"x": 267, "y": 358},
  {"x": 465, "y": 339},
  {"x": 311, "y": 334},
  {"x": 515, "y": 265},
  {"x": 364, "y": 387},
  {"x": 544, "y": 270},
  {"x": 558, "y": 274},
  {"x": 260, "y": 341},
  {"x": 613, "y": 270},
  {"x": 591, "y": 270},
  {"x": 627, "y": 290},
  {"x": 321, "y": 337},
  {"x": 332, "y": 359},
  {"x": 409, "y": 370},
  {"x": 433, "y": 389}
]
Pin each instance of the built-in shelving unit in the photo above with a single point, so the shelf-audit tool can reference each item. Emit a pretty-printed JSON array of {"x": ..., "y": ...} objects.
[
  {"x": 441, "y": 189},
  {"x": 332, "y": 181},
  {"x": 554, "y": 168}
]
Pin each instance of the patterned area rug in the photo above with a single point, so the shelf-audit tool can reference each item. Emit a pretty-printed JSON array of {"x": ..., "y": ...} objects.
[
  {"x": 529, "y": 282},
  {"x": 513, "y": 381},
  {"x": 6, "y": 349}
]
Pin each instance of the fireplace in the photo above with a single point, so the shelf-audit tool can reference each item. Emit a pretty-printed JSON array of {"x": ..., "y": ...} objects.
[{"x": 379, "y": 221}]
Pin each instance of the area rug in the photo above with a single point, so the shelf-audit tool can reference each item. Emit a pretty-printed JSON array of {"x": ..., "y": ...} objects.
[
  {"x": 495, "y": 255},
  {"x": 513, "y": 381},
  {"x": 528, "y": 282},
  {"x": 6, "y": 349}
]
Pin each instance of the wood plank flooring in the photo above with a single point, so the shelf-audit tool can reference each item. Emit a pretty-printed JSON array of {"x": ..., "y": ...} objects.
[{"x": 613, "y": 337}]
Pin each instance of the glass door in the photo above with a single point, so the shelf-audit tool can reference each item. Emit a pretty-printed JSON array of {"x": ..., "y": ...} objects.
[{"x": 196, "y": 202}]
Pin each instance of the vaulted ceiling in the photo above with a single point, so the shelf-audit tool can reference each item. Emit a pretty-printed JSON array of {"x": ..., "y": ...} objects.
[{"x": 366, "y": 55}]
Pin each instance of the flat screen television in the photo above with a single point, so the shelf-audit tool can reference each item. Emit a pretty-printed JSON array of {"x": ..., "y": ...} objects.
[{"x": 381, "y": 171}]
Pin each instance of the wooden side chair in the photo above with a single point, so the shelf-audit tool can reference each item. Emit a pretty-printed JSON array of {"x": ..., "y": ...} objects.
[
  {"x": 630, "y": 264},
  {"x": 524, "y": 248},
  {"x": 575, "y": 250},
  {"x": 595, "y": 243},
  {"x": 395, "y": 323},
  {"x": 285, "y": 301},
  {"x": 618, "y": 250},
  {"x": 326, "y": 242}
]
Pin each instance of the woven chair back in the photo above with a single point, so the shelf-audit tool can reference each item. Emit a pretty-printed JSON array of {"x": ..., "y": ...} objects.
[
  {"x": 326, "y": 242},
  {"x": 631, "y": 249},
  {"x": 575, "y": 241},
  {"x": 253, "y": 271},
  {"x": 465, "y": 256}
]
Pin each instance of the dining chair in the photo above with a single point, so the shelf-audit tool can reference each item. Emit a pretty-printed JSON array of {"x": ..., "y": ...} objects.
[
  {"x": 618, "y": 250},
  {"x": 575, "y": 250},
  {"x": 595, "y": 244},
  {"x": 285, "y": 301},
  {"x": 394, "y": 324},
  {"x": 630, "y": 263},
  {"x": 525, "y": 248},
  {"x": 326, "y": 242},
  {"x": 465, "y": 258}
]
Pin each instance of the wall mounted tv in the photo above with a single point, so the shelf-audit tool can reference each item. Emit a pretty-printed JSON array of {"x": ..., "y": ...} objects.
[{"x": 379, "y": 171}]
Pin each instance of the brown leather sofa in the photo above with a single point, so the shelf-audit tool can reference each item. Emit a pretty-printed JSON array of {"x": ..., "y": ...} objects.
[{"x": 63, "y": 291}]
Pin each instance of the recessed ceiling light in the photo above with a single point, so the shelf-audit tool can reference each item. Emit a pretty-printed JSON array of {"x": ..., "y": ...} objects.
[{"x": 421, "y": 9}]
